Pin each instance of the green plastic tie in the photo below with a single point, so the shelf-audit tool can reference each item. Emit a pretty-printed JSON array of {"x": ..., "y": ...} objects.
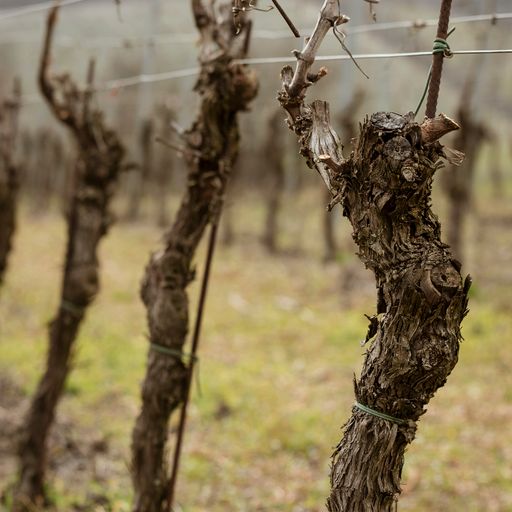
[
  {"x": 380, "y": 415},
  {"x": 440, "y": 46},
  {"x": 178, "y": 354},
  {"x": 68, "y": 306}
]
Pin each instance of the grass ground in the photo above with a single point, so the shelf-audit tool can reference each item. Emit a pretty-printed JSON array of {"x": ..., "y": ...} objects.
[{"x": 281, "y": 344}]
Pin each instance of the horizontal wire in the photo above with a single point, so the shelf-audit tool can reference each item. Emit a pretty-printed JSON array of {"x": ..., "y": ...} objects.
[
  {"x": 184, "y": 38},
  {"x": 363, "y": 56},
  {"x": 429, "y": 23},
  {"x": 146, "y": 79},
  {"x": 375, "y": 27},
  {"x": 43, "y": 6},
  {"x": 120, "y": 83}
]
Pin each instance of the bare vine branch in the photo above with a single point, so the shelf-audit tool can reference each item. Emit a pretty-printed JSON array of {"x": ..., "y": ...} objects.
[
  {"x": 61, "y": 109},
  {"x": 302, "y": 79},
  {"x": 319, "y": 142}
]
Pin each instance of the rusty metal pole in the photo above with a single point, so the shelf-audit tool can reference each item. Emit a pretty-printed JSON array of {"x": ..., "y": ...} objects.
[{"x": 437, "y": 60}]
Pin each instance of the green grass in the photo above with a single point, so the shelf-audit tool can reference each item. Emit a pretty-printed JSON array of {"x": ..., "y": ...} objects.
[{"x": 280, "y": 347}]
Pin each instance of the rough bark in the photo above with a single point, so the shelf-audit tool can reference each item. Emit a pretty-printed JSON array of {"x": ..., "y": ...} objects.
[
  {"x": 9, "y": 175},
  {"x": 97, "y": 171},
  {"x": 225, "y": 89},
  {"x": 275, "y": 181},
  {"x": 414, "y": 336},
  {"x": 422, "y": 300}
]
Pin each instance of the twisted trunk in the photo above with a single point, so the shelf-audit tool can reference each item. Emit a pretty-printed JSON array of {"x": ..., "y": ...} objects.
[
  {"x": 164, "y": 294},
  {"x": 212, "y": 145},
  {"x": 422, "y": 300},
  {"x": 86, "y": 226},
  {"x": 96, "y": 176},
  {"x": 385, "y": 190}
]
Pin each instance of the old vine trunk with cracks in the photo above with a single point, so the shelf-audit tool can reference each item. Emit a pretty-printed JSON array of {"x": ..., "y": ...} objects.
[
  {"x": 96, "y": 174},
  {"x": 385, "y": 191},
  {"x": 210, "y": 146}
]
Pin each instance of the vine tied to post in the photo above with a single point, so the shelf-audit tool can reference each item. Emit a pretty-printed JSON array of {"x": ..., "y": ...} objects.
[{"x": 437, "y": 60}]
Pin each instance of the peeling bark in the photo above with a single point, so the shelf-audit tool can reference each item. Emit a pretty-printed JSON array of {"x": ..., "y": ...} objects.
[
  {"x": 422, "y": 300},
  {"x": 9, "y": 174},
  {"x": 385, "y": 191},
  {"x": 96, "y": 174},
  {"x": 225, "y": 89}
]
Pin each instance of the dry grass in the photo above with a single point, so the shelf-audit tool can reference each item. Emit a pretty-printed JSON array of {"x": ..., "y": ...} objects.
[{"x": 281, "y": 344}]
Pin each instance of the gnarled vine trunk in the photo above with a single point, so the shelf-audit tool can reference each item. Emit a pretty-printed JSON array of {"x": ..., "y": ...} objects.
[
  {"x": 96, "y": 174},
  {"x": 422, "y": 300},
  {"x": 414, "y": 336},
  {"x": 225, "y": 89}
]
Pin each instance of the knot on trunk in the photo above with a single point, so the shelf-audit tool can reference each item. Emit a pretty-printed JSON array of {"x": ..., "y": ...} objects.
[
  {"x": 82, "y": 285},
  {"x": 245, "y": 86}
]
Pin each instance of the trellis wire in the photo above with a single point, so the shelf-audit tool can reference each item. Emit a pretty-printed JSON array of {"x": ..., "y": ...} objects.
[
  {"x": 190, "y": 37},
  {"x": 43, "y": 6},
  {"x": 121, "y": 83}
]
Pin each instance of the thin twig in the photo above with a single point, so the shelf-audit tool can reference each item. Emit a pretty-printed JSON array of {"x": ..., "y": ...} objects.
[
  {"x": 329, "y": 17},
  {"x": 340, "y": 36},
  {"x": 286, "y": 18},
  {"x": 371, "y": 3},
  {"x": 62, "y": 111}
]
